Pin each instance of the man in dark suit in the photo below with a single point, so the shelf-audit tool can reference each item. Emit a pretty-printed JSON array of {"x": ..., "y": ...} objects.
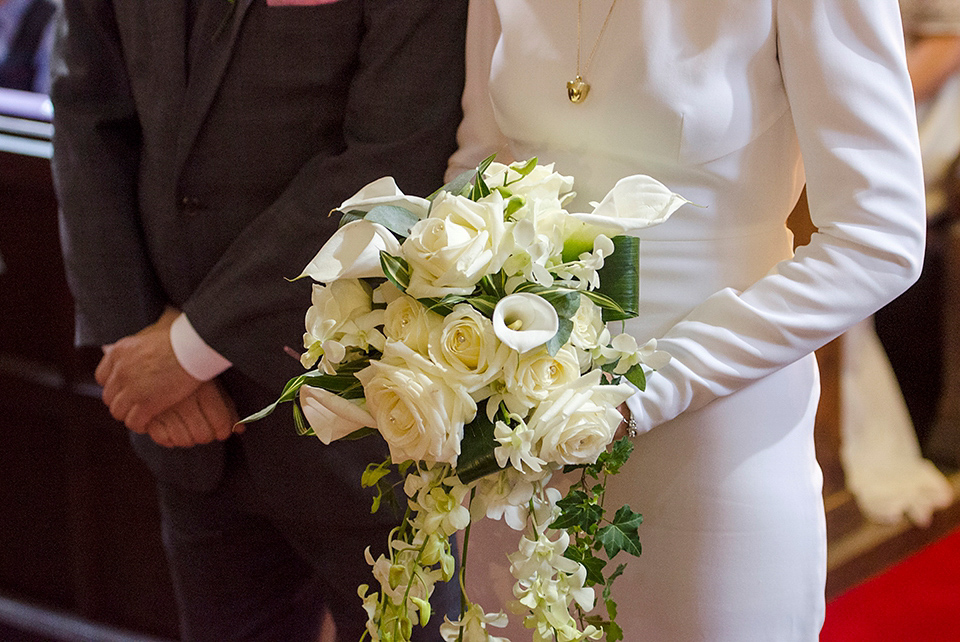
[{"x": 199, "y": 146}]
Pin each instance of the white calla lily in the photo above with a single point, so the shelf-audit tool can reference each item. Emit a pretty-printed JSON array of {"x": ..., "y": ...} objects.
[
  {"x": 384, "y": 191},
  {"x": 353, "y": 252},
  {"x": 330, "y": 416},
  {"x": 525, "y": 321},
  {"x": 634, "y": 203}
]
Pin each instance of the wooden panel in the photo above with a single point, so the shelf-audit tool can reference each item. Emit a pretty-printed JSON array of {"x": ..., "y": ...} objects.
[{"x": 80, "y": 531}]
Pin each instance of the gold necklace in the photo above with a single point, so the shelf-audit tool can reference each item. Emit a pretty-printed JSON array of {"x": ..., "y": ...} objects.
[{"x": 578, "y": 88}]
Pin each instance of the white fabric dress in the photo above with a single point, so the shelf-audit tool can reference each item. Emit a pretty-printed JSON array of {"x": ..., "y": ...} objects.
[{"x": 717, "y": 100}]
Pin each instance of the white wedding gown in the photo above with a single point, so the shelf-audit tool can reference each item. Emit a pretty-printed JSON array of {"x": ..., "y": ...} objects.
[{"x": 717, "y": 99}]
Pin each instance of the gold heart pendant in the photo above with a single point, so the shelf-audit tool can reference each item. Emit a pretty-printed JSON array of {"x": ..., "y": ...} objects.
[{"x": 577, "y": 90}]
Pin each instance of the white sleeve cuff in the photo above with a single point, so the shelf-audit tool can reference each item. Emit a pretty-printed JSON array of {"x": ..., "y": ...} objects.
[{"x": 199, "y": 360}]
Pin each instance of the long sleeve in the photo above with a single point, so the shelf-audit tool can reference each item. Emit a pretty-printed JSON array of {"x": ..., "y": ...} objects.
[
  {"x": 97, "y": 140},
  {"x": 400, "y": 119},
  {"x": 845, "y": 76},
  {"x": 831, "y": 71}
]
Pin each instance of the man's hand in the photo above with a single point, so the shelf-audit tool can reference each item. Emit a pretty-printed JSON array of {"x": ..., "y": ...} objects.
[
  {"x": 141, "y": 376},
  {"x": 204, "y": 416}
]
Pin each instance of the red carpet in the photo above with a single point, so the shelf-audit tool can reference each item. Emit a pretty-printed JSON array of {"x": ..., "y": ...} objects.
[{"x": 916, "y": 600}]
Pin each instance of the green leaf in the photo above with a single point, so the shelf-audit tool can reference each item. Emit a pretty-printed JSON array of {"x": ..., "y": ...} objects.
[
  {"x": 636, "y": 376},
  {"x": 457, "y": 186},
  {"x": 557, "y": 341},
  {"x": 613, "y": 459},
  {"x": 303, "y": 427},
  {"x": 622, "y": 534},
  {"x": 396, "y": 270},
  {"x": 592, "y": 563},
  {"x": 494, "y": 285},
  {"x": 397, "y": 219},
  {"x": 613, "y": 632},
  {"x": 620, "y": 278},
  {"x": 577, "y": 510},
  {"x": 476, "y": 458},
  {"x": 350, "y": 217},
  {"x": 461, "y": 183},
  {"x": 484, "y": 304},
  {"x": 523, "y": 170},
  {"x": 611, "y": 605}
]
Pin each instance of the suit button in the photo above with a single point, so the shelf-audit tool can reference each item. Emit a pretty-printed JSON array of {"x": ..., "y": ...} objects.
[{"x": 190, "y": 205}]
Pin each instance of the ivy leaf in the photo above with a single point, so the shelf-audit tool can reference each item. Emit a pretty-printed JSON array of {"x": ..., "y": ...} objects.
[
  {"x": 616, "y": 457},
  {"x": 611, "y": 605},
  {"x": 578, "y": 509},
  {"x": 622, "y": 534},
  {"x": 593, "y": 564}
]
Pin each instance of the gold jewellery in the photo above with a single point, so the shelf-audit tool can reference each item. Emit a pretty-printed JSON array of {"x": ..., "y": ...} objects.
[{"x": 578, "y": 88}]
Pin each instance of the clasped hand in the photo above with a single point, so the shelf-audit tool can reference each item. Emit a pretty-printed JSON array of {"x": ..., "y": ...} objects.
[{"x": 147, "y": 389}]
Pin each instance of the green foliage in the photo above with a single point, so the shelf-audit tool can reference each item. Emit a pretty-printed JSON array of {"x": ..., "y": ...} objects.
[
  {"x": 592, "y": 535},
  {"x": 396, "y": 269},
  {"x": 477, "y": 457},
  {"x": 637, "y": 377},
  {"x": 620, "y": 279},
  {"x": 622, "y": 534},
  {"x": 397, "y": 219}
]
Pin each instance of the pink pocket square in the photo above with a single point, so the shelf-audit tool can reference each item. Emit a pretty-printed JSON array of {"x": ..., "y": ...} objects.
[{"x": 298, "y": 3}]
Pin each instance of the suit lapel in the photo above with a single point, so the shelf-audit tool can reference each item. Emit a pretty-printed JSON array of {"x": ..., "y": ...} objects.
[
  {"x": 168, "y": 31},
  {"x": 212, "y": 49}
]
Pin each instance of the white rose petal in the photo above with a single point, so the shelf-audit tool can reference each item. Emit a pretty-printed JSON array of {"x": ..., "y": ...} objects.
[
  {"x": 461, "y": 242},
  {"x": 353, "y": 252},
  {"x": 525, "y": 321},
  {"x": 466, "y": 343},
  {"x": 410, "y": 322},
  {"x": 578, "y": 421},
  {"x": 634, "y": 203},
  {"x": 330, "y": 416},
  {"x": 420, "y": 409}
]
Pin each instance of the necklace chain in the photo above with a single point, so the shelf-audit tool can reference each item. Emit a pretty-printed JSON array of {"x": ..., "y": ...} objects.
[{"x": 578, "y": 88}]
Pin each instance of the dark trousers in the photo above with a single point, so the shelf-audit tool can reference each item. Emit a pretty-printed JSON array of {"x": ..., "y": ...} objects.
[{"x": 242, "y": 570}]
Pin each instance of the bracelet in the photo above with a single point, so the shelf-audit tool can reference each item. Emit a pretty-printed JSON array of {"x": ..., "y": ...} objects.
[{"x": 631, "y": 426}]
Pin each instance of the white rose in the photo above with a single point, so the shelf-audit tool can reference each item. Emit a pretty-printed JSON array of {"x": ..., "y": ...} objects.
[
  {"x": 541, "y": 183},
  {"x": 410, "y": 322},
  {"x": 634, "y": 203},
  {"x": 384, "y": 191},
  {"x": 525, "y": 321},
  {"x": 418, "y": 409},
  {"x": 331, "y": 416},
  {"x": 588, "y": 325},
  {"x": 353, "y": 252},
  {"x": 461, "y": 242},
  {"x": 466, "y": 343},
  {"x": 333, "y": 307},
  {"x": 578, "y": 421},
  {"x": 533, "y": 376}
]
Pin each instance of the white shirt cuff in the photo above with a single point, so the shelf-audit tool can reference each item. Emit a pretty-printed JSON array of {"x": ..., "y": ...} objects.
[{"x": 199, "y": 360}]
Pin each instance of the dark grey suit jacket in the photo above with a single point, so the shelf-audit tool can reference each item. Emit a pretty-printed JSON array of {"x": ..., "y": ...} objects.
[{"x": 198, "y": 170}]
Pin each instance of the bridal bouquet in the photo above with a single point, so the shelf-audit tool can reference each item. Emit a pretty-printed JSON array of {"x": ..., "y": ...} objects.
[{"x": 469, "y": 330}]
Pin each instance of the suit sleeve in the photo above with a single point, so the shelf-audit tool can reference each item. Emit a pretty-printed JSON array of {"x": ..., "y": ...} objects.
[
  {"x": 845, "y": 75},
  {"x": 401, "y": 119},
  {"x": 95, "y": 161}
]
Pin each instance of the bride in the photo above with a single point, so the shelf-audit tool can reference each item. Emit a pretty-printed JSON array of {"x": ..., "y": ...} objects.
[{"x": 718, "y": 100}]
